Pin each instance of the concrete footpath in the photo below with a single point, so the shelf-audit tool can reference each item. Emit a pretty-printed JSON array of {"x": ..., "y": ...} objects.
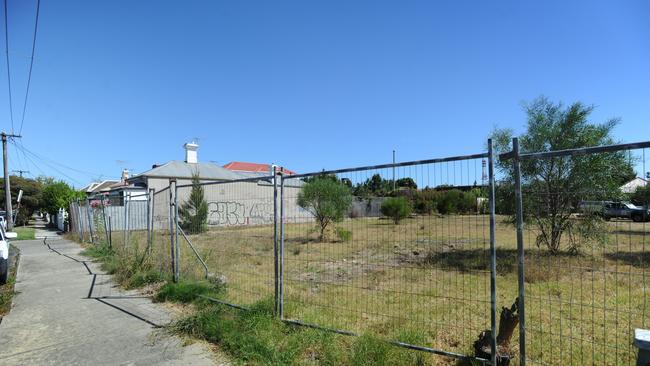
[{"x": 68, "y": 312}]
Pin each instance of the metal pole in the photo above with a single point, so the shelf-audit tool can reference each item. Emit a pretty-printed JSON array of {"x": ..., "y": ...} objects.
[
  {"x": 110, "y": 233},
  {"x": 281, "y": 257},
  {"x": 394, "y": 170},
  {"x": 275, "y": 236},
  {"x": 177, "y": 273},
  {"x": 493, "y": 257},
  {"x": 104, "y": 216},
  {"x": 520, "y": 252},
  {"x": 171, "y": 224},
  {"x": 90, "y": 220},
  {"x": 150, "y": 207},
  {"x": 5, "y": 160},
  {"x": 125, "y": 225}
]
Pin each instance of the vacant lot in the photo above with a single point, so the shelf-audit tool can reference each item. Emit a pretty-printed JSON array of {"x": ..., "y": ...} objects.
[{"x": 429, "y": 277}]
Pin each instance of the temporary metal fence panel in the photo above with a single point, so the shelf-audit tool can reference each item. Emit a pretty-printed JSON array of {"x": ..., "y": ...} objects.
[
  {"x": 582, "y": 258},
  {"x": 229, "y": 227},
  {"x": 401, "y": 251},
  {"x": 161, "y": 246}
]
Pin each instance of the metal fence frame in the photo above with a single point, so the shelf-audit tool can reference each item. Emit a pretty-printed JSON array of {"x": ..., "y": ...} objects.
[{"x": 516, "y": 156}]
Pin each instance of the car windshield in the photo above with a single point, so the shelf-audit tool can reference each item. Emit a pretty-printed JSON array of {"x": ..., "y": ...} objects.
[{"x": 629, "y": 205}]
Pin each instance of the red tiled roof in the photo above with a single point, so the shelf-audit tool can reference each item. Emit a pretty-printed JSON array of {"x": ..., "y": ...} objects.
[{"x": 240, "y": 166}]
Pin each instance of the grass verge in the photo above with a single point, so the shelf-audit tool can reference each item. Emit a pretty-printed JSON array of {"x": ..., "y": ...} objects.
[
  {"x": 25, "y": 233},
  {"x": 7, "y": 290}
]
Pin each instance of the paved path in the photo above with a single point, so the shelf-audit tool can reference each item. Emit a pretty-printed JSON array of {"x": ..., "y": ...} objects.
[{"x": 67, "y": 312}]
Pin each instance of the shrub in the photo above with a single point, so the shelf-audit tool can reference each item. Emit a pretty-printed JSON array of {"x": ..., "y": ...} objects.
[
  {"x": 343, "y": 234},
  {"x": 186, "y": 291},
  {"x": 397, "y": 208}
]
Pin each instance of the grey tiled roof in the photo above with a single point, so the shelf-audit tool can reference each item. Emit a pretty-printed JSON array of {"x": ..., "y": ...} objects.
[{"x": 181, "y": 169}]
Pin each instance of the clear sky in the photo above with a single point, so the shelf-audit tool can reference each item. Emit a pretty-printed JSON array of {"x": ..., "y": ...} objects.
[{"x": 309, "y": 84}]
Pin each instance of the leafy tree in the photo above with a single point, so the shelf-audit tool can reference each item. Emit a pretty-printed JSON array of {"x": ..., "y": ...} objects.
[
  {"x": 327, "y": 199},
  {"x": 397, "y": 208},
  {"x": 554, "y": 186},
  {"x": 30, "y": 201},
  {"x": 58, "y": 195},
  {"x": 407, "y": 182},
  {"x": 194, "y": 212},
  {"x": 641, "y": 196}
]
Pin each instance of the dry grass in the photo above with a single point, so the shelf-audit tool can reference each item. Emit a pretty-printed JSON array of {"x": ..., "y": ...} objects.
[{"x": 430, "y": 276}]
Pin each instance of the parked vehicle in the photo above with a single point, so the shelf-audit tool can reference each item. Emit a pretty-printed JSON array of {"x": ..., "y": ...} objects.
[
  {"x": 610, "y": 210},
  {"x": 3, "y": 222},
  {"x": 4, "y": 253}
]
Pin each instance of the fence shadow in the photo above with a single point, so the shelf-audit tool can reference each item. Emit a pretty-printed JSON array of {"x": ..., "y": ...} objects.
[{"x": 635, "y": 259}]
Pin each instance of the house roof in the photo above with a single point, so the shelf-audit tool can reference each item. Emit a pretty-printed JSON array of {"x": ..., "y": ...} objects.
[
  {"x": 181, "y": 169},
  {"x": 240, "y": 166},
  {"x": 98, "y": 186},
  {"x": 632, "y": 185}
]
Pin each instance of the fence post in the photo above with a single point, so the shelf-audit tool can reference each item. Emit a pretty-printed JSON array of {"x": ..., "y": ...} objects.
[
  {"x": 110, "y": 233},
  {"x": 281, "y": 250},
  {"x": 177, "y": 272},
  {"x": 493, "y": 255},
  {"x": 104, "y": 216},
  {"x": 275, "y": 238},
  {"x": 126, "y": 220},
  {"x": 520, "y": 252},
  {"x": 172, "y": 183},
  {"x": 150, "y": 213},
  {"x": 90, "y": 221}
]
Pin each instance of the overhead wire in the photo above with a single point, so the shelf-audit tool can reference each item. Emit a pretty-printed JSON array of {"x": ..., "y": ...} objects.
[
  {"x": 11, "y": 109},
  {"x": 31, "y": 65},
  {"x": 48, "y": 164}
]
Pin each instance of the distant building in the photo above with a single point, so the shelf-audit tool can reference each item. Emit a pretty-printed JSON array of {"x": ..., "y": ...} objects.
[{"x": 633, "y": 185}]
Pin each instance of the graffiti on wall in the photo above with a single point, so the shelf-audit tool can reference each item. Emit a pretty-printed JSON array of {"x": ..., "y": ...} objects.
[{"x": 230, "y": 213}]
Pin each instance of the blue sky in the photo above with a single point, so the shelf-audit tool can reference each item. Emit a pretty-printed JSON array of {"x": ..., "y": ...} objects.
[{"x": 309, "y": 84}]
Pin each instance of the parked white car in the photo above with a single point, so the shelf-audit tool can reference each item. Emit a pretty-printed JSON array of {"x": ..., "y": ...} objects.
[
  {"x": 4, "y": 253},
  {"x": 3, "y": 222}
]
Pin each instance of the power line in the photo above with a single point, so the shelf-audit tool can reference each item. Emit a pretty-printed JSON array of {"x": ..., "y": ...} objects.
[
  {"x": 31, "y": 65},
  {"x": 49, "y": 165},
  {"x": 11, "y": 108}
]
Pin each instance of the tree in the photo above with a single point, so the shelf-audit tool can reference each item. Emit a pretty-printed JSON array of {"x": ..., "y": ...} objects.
[
  {"x": 30, "y": 201},
  {"x": 641, "y": 196},
  {"x": 194, "y": 212},
  {"x": 554, "y": 186},
  {"x": 58, "y": 195},
  {"x": 327, "y": 199},
  {"x": 397, "y": 208}
]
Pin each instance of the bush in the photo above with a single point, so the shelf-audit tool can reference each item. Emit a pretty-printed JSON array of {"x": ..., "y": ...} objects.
[
  {"x": 327, "y": 199},
  {"x": 186, "y": 291},
  {"x": 343, "y": 234},
  {"x": 396, "y": 208}
]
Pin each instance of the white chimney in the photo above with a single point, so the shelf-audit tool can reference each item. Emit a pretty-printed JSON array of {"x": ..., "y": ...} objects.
[
  {"x": 125, "y": 175},
  {"x": 190, "y": 152}
]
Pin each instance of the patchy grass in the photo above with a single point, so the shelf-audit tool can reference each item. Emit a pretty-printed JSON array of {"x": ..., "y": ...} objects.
[
  {"x": 7, "y": 290},
  {"x": 255, "y": 337},
  {"x": 25, "y": 233},
  {"x": 186, "y": 291}
]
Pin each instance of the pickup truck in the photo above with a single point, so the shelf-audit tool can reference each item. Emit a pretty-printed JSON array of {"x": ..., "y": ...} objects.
[
  {"x": 4, "y": 253},
  {"x": 610, "y": 210}
]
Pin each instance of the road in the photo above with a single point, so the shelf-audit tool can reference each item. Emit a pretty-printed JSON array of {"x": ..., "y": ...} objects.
[{"x": 68, "y": 312}]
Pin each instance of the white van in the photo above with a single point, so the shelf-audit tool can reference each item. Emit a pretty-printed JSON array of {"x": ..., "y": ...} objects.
[{"x": 4, "y": 253}]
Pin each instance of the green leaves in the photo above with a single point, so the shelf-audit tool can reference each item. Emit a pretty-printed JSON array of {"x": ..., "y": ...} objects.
[
  {"x": 194, "y": 212},
  {"x": 327, "y": 199}
]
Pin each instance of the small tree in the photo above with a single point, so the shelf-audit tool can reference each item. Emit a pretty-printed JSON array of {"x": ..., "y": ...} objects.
[
  {"x": 397, "y": 208},
  {"x": 555, "y": 186},
  {"x": 194, "y": 212},
  {"x": 327, "y": 199}
]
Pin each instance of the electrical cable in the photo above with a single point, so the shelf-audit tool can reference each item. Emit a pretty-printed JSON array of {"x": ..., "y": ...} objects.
[{"x": 31, "y": 65}]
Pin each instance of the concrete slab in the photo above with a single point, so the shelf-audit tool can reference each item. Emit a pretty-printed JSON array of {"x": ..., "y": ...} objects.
[{"x": 59, "y": 318}]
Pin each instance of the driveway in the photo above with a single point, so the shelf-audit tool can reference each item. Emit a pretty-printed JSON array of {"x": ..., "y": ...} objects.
[{"x": 68, "y": 312}]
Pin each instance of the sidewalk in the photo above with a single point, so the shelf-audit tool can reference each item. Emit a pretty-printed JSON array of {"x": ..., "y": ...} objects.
[{"x": 68, "y": 312}]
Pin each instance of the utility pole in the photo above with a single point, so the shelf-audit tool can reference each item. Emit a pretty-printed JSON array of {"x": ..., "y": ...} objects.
[
  {"x": 393, "y": 170},
  {"x": 20, "y": 172},
  {"x": 9, "y": 214}
]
